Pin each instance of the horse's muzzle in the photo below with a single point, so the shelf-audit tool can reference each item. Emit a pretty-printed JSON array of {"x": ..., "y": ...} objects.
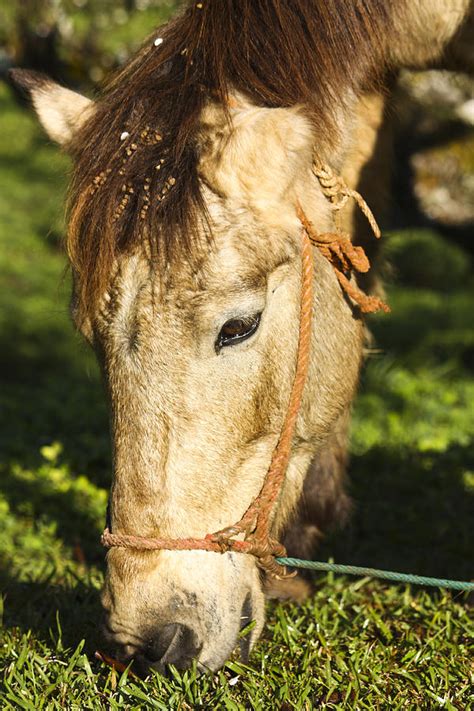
[{"x": 174, "y": 644}]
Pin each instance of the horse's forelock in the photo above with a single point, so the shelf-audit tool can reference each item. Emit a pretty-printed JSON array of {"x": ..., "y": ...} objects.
[{"x": 136, "y": 158}]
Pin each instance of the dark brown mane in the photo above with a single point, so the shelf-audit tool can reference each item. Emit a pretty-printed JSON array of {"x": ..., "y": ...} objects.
[{"x": 146, "y": 186}]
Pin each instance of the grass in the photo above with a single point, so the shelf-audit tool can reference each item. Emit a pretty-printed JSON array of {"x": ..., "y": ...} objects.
[{"x": 356, "y": 643}]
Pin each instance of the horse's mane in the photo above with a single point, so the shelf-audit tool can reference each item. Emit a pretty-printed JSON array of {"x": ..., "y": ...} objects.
[{"x": 136, "y": 158}]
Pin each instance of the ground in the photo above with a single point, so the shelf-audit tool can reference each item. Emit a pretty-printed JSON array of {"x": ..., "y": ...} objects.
[{"x": 357, "y": 643}]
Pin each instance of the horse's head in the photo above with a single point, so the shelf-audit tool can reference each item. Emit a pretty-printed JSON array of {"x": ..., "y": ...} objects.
[{"x": 199, "y": 357}]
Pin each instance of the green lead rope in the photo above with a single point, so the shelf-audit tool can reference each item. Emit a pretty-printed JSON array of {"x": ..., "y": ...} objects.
[{"x": 374, "y": 573}]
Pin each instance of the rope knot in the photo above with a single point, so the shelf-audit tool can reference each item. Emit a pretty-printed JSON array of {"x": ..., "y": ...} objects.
[
  {"x": 225, "y": 539},
  {"x": 337, "y": 247},
  {"x": 338, "y": 193},
  {"x": 333, "y": 186},
  {"x": 258, "y": 543},
  {"x": 266, "y": 550}
]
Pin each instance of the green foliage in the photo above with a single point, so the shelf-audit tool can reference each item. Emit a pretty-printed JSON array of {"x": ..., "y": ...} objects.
[
  {"x": 30, "y": 508},
  {"x": 426, "y": 410},
  {"x": 422, "y": 258},
  {"x": 79, "y": 39},
  {"x": 356, "y": 644}
]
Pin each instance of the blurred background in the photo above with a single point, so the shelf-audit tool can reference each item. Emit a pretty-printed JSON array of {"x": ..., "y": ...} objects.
[
  {"x": 412, "y": 468},
  {"x": 76, "y": 41}
]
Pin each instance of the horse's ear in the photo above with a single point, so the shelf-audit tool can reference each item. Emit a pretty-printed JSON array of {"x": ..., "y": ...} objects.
[
  {"x": 60, "y": 111},
  {"x": 258, "y": 155}
]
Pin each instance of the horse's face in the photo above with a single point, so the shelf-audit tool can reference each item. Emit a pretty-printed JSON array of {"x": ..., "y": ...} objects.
[
  {"x": 198, "y": 368},
  {"x": 199, "y": 361}
]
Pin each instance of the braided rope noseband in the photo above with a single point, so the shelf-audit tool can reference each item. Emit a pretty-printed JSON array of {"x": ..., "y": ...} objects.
[{"x": 256, "y": 522}]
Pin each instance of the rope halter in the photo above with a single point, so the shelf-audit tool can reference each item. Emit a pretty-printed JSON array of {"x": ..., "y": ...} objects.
[{"x": 255, "y": 524}]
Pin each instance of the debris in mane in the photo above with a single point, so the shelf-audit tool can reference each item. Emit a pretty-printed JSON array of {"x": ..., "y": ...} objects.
[{"x": 136, "y": 159}]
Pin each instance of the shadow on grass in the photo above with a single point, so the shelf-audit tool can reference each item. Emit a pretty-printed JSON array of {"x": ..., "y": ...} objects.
[
  {"x": 70, "y": 612},
  {"x": 51, "y": 391},
  {"x": 413, "y": 512},
  {"x": 425, "y": 327}
]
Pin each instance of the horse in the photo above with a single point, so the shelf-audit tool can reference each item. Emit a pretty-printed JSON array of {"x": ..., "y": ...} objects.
[{"x": 196, "y": 172}]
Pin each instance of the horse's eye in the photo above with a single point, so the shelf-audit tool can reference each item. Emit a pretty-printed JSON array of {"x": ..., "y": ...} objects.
[{"x": 236, "y": 330}]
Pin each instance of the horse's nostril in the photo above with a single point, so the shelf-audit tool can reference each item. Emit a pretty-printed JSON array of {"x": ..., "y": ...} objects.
[{"x": 174, "y": 644}]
